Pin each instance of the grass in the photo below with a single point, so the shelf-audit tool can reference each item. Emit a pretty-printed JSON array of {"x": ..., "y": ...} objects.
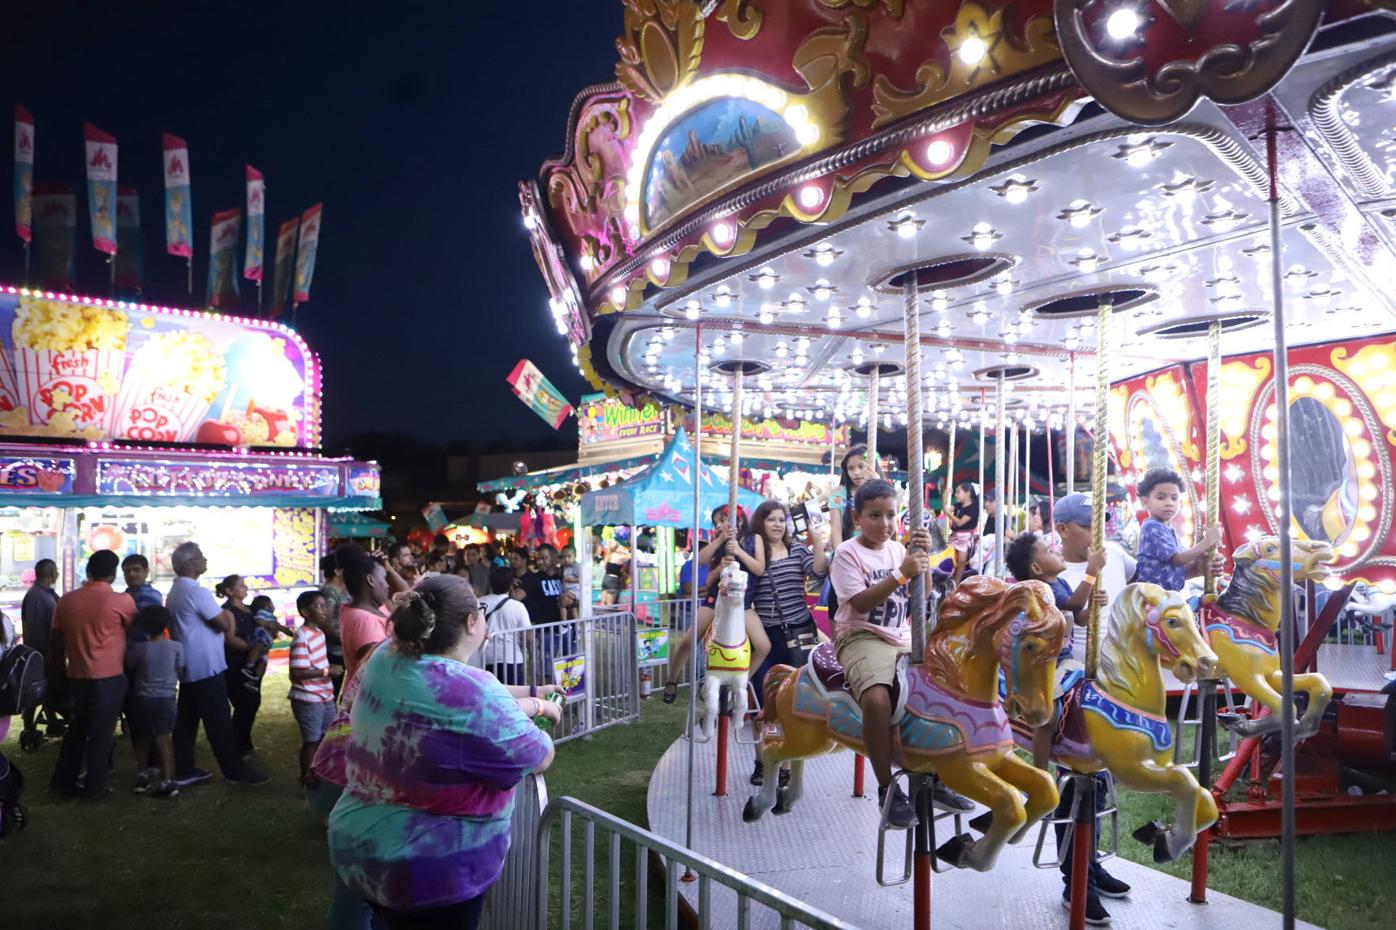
[{"x": 220, "y": 856}]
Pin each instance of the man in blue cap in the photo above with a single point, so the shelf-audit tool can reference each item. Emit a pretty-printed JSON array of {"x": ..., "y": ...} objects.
[{"x": 1072, "y": 516}]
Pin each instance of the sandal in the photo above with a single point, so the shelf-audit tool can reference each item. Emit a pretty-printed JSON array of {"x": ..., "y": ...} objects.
[
  {"x": 671, "y": 691},
  {"x": 758, "y": 774}
]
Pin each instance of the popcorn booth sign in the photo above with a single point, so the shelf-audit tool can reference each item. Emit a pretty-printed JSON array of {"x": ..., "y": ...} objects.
[{"x": 100, "y": 370}]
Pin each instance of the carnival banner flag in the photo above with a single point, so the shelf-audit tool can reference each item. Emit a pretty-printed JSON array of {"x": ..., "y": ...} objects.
[
  {"x": 55, "y": 235},
  {"x": 305, "y": 252},
  {"x": 129, "y": 252},
  {"x": 222, "y": 253},
  {"x": 256, "y": 224},
  {"x": 281, "y": 270},
  {"x": 24, "y": 172},
  {"x": 179, "y": 209},
  {"x": 101, "y": 187},
  {"x": 538, "y": 393}
]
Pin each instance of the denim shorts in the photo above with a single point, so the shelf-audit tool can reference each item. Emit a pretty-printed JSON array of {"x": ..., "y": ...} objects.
[
  {"x": 152, "y": 716},
  {"x": 314, "y": 718}
]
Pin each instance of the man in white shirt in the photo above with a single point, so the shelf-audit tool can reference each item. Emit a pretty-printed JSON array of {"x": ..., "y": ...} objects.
[
  {"x": 1072, "y": 516},
  {"x": 504, "y": 616},
  {"x": 200, "y": 625}
]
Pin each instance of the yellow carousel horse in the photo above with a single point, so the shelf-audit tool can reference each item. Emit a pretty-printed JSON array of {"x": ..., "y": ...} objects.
[
  {"x": 1117, "y": 721},
  {"x": 947, "y": 717},
  {"x": 1242, "y": 626}
]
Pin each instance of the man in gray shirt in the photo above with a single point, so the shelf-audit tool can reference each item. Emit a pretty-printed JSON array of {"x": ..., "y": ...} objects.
[{"x": 36, "y": 621}]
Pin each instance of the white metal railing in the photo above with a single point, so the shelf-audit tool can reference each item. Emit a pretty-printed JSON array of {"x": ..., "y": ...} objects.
[
  {"x": 644, "y": 844},
  {"x": 509, "y": 902}
]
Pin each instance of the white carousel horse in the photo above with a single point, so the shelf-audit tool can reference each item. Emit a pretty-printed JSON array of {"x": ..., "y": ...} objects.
[{"x": 729, "y": 651}]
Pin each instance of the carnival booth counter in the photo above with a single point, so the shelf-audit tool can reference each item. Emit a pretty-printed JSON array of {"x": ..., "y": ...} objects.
[{"x": 134, "y": 428}]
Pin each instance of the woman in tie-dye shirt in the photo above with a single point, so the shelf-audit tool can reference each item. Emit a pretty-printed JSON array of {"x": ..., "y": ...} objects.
[{"x": 435, "y": 750}]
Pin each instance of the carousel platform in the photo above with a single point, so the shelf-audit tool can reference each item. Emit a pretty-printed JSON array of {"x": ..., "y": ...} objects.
[
  {"x": 1347, "y": 668},
  {"x": 824, "y": 853}
]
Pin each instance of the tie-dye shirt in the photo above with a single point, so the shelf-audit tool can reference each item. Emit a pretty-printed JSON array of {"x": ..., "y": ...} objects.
[{"x": 436, "y": 748}]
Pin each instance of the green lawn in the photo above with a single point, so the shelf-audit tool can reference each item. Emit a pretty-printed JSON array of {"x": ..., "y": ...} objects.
[{"x": 221, "y": 856}]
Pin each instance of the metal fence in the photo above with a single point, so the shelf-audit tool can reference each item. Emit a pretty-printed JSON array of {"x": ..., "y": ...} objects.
[
  {"x": 593, "y": 659},
  {"x": 572, "y": 888},
  {"x": 509, "y": 902}
]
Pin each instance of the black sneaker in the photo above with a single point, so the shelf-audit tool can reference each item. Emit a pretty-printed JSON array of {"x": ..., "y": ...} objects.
[
  {"x": 758, "y": 774},
  {"x": 248, "y": 777},
  {"x": 1096, "y": 914},
  {"x": 195, "y": 777},
  {"x": 145, "y": 778},
  {"x": 1108, "y": 886},
  {"x": 900, "y": 814},
  {"x": 947, "y": 800}
]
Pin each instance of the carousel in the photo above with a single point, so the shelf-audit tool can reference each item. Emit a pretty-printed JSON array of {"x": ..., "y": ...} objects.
[{"x": 1084, "y": 239}]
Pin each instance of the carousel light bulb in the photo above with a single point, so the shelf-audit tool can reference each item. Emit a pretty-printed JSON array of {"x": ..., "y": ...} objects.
[
  {"x": 1122, "y": 24},
  {"x": 737, "y": 337},
  {"x": 722, "y": 297},
  {"x": 617, "y": 295},
  {"x": 939, "y": 152},
  {"x": 667, "y": 333},
  {"x": 659, "y": 267},
  {"x": 766, "y": 278},
  {"x": 863, "y": 308},
  {"x": 692, "y": 309},
  {"x": 973, "y": 50},
  {"x": 766, "y": 315},
  {"x": 940, "y": 302},
  {"x": 586, "y": 261},
  {"x": 1004, "y": 287},
  {"x": 834, "y": 321},
  {"x": 824, "y": 255},
  {"x": 722, "y": 233},
  {"x": 781, "y": 350},
  {"x": 982, "y": 237},
  {"x": 1087, "y": 260},
  {"x": 856, "y": 356},
  {"x": 981, "y": 315},
  {"x": 530, "y": 220},
  {"x": 811, "y": 196},
  {"x": 944, "y": 329}
]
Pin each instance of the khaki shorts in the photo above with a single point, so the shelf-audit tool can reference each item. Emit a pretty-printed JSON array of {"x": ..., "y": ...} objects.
[{"x": 867, "y": 660}]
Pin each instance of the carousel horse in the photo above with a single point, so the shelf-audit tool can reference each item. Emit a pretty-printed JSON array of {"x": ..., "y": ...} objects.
[
  {"x": 729, "y": 650},
  {"x": 1117, "y": 721},
  {"x": 947, "y": 717},
  {"x": 1241, "y": 627}
]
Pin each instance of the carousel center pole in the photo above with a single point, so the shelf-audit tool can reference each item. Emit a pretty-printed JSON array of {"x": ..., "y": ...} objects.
[
  {"x": 947, "y": 495},
  {"x": 1083, "y": 827},
  {"x": 1207, "y": 688},
  {"x": 1071, "y": 424},
  {"x": 734, "y": 460},
  {"x": 694, "y": 599},
  {"x": 1282, "y": 512},
  {"x": 1027, "y": 472},
  {"x": 983, "y": 403},
  {"x": 916, "y": 588},
  {"x": 1000, "y": 471},
  {"x": 874, "y": 399}
]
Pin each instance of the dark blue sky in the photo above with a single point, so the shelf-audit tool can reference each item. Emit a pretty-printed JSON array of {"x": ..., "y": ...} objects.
[{"x": 412, "y": 125}]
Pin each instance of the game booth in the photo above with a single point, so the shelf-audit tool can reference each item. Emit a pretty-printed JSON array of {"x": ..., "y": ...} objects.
[
  {"x": 135, "y": 428},
  {"x": 999, "y": 218}
]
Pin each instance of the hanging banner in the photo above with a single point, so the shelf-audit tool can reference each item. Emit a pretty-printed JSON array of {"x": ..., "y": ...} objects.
[
  {"x": 179, "y": 209},
  {"x": 256, "y": 224},
  {"x": 305, "y": 252},
  {"x": 285, "y": 261},
  {"x": 101, "y": 187},
  {"x": 55, "y": 235},
  {"x": 24, "y": 173},
  {"x": 222, "y": 252},
  {"x": 129, "y": 252},
  {"x": 538, "y": 393},
  {"x": 435, "y": 517}
]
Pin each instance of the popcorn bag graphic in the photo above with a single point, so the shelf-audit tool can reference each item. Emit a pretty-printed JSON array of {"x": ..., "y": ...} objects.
[
  {"x": 168, "y": 388},
  {"x": 70, "y": 358},
  {"x": 10, "y": 398}
]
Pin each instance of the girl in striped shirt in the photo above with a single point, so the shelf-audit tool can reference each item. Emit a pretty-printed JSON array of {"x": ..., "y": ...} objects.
[{"x": 312, "y": 678}]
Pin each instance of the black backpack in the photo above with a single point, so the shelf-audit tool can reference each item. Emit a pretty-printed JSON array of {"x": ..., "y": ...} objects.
[{"x": 22, "y": 680}]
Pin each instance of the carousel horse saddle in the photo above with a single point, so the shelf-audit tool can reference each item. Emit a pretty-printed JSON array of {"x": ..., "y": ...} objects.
[
  {"x": 1070, "y": 734},
  {"x": 825, "y": 672}
]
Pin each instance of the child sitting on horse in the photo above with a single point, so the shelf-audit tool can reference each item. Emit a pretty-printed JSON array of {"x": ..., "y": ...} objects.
[
  {"x": 1162, "y": 559},
  {"x": 869, "y": 574},
  {"x": 1030, "y": 559}
]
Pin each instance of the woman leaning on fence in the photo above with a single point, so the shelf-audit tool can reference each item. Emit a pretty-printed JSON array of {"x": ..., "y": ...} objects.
[{"x": 435, "y": 750}]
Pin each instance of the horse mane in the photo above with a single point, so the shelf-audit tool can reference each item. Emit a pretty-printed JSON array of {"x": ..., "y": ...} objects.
[
  {"x": 983, "y": 604},
  {"x": 1248, "y": 594},
  {"x": 1121, "y": 667}
]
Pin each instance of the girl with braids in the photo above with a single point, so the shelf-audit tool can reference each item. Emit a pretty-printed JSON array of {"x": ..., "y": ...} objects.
[{"x": 435, "y": 749}]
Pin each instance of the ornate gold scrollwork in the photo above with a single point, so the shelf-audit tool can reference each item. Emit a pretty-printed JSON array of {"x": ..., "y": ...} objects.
[
  {"x": 661, "y": 47},
  {"x": 742, "y": 17},
  {"x": 1004, "y": 54},
  {"x": 894, "y": 7},
  {"x": 822, "y": 59}
]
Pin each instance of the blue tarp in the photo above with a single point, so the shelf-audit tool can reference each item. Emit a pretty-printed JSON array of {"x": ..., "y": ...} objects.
[{"x": 662, "y": 495}]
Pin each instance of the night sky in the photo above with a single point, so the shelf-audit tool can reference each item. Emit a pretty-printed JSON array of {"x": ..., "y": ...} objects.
[{"x": 412, "y": 125}]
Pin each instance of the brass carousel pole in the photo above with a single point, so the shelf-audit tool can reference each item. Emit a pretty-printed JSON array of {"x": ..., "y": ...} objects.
[
  {"x": 947, "y": 495},
  {"x": 1071, "y": 424},
  {"x": 734, "y": 462},
  {"x": 1083, "y": 785},
  {"x": 695, "y": 597},
  {"x": 874, "y": 390},
  {"x": 1207, "y": 688},
  {"x": 979, "y": 524},
  {"x": 1282, "y": 512},
  {"x": 1000, "y": 466},
  {"x": 1027, "y": 472}
]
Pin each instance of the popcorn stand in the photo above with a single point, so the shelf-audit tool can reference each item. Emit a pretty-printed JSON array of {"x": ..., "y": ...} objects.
[{"x": 135, "y": 428}]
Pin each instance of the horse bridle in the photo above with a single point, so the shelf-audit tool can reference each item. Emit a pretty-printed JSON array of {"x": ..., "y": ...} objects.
[{"x": 1153, "y": 625}]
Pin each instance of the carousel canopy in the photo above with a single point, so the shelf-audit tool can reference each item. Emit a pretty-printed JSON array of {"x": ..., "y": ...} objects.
[{"x": 662, "y": 495}]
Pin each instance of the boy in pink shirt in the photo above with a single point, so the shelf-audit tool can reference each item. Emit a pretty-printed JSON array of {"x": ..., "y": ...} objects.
[{"x": 869, "y": 573}]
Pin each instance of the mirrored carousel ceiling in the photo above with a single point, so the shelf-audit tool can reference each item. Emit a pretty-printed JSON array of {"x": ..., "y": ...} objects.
[{"x": 1170, "y": 225}]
